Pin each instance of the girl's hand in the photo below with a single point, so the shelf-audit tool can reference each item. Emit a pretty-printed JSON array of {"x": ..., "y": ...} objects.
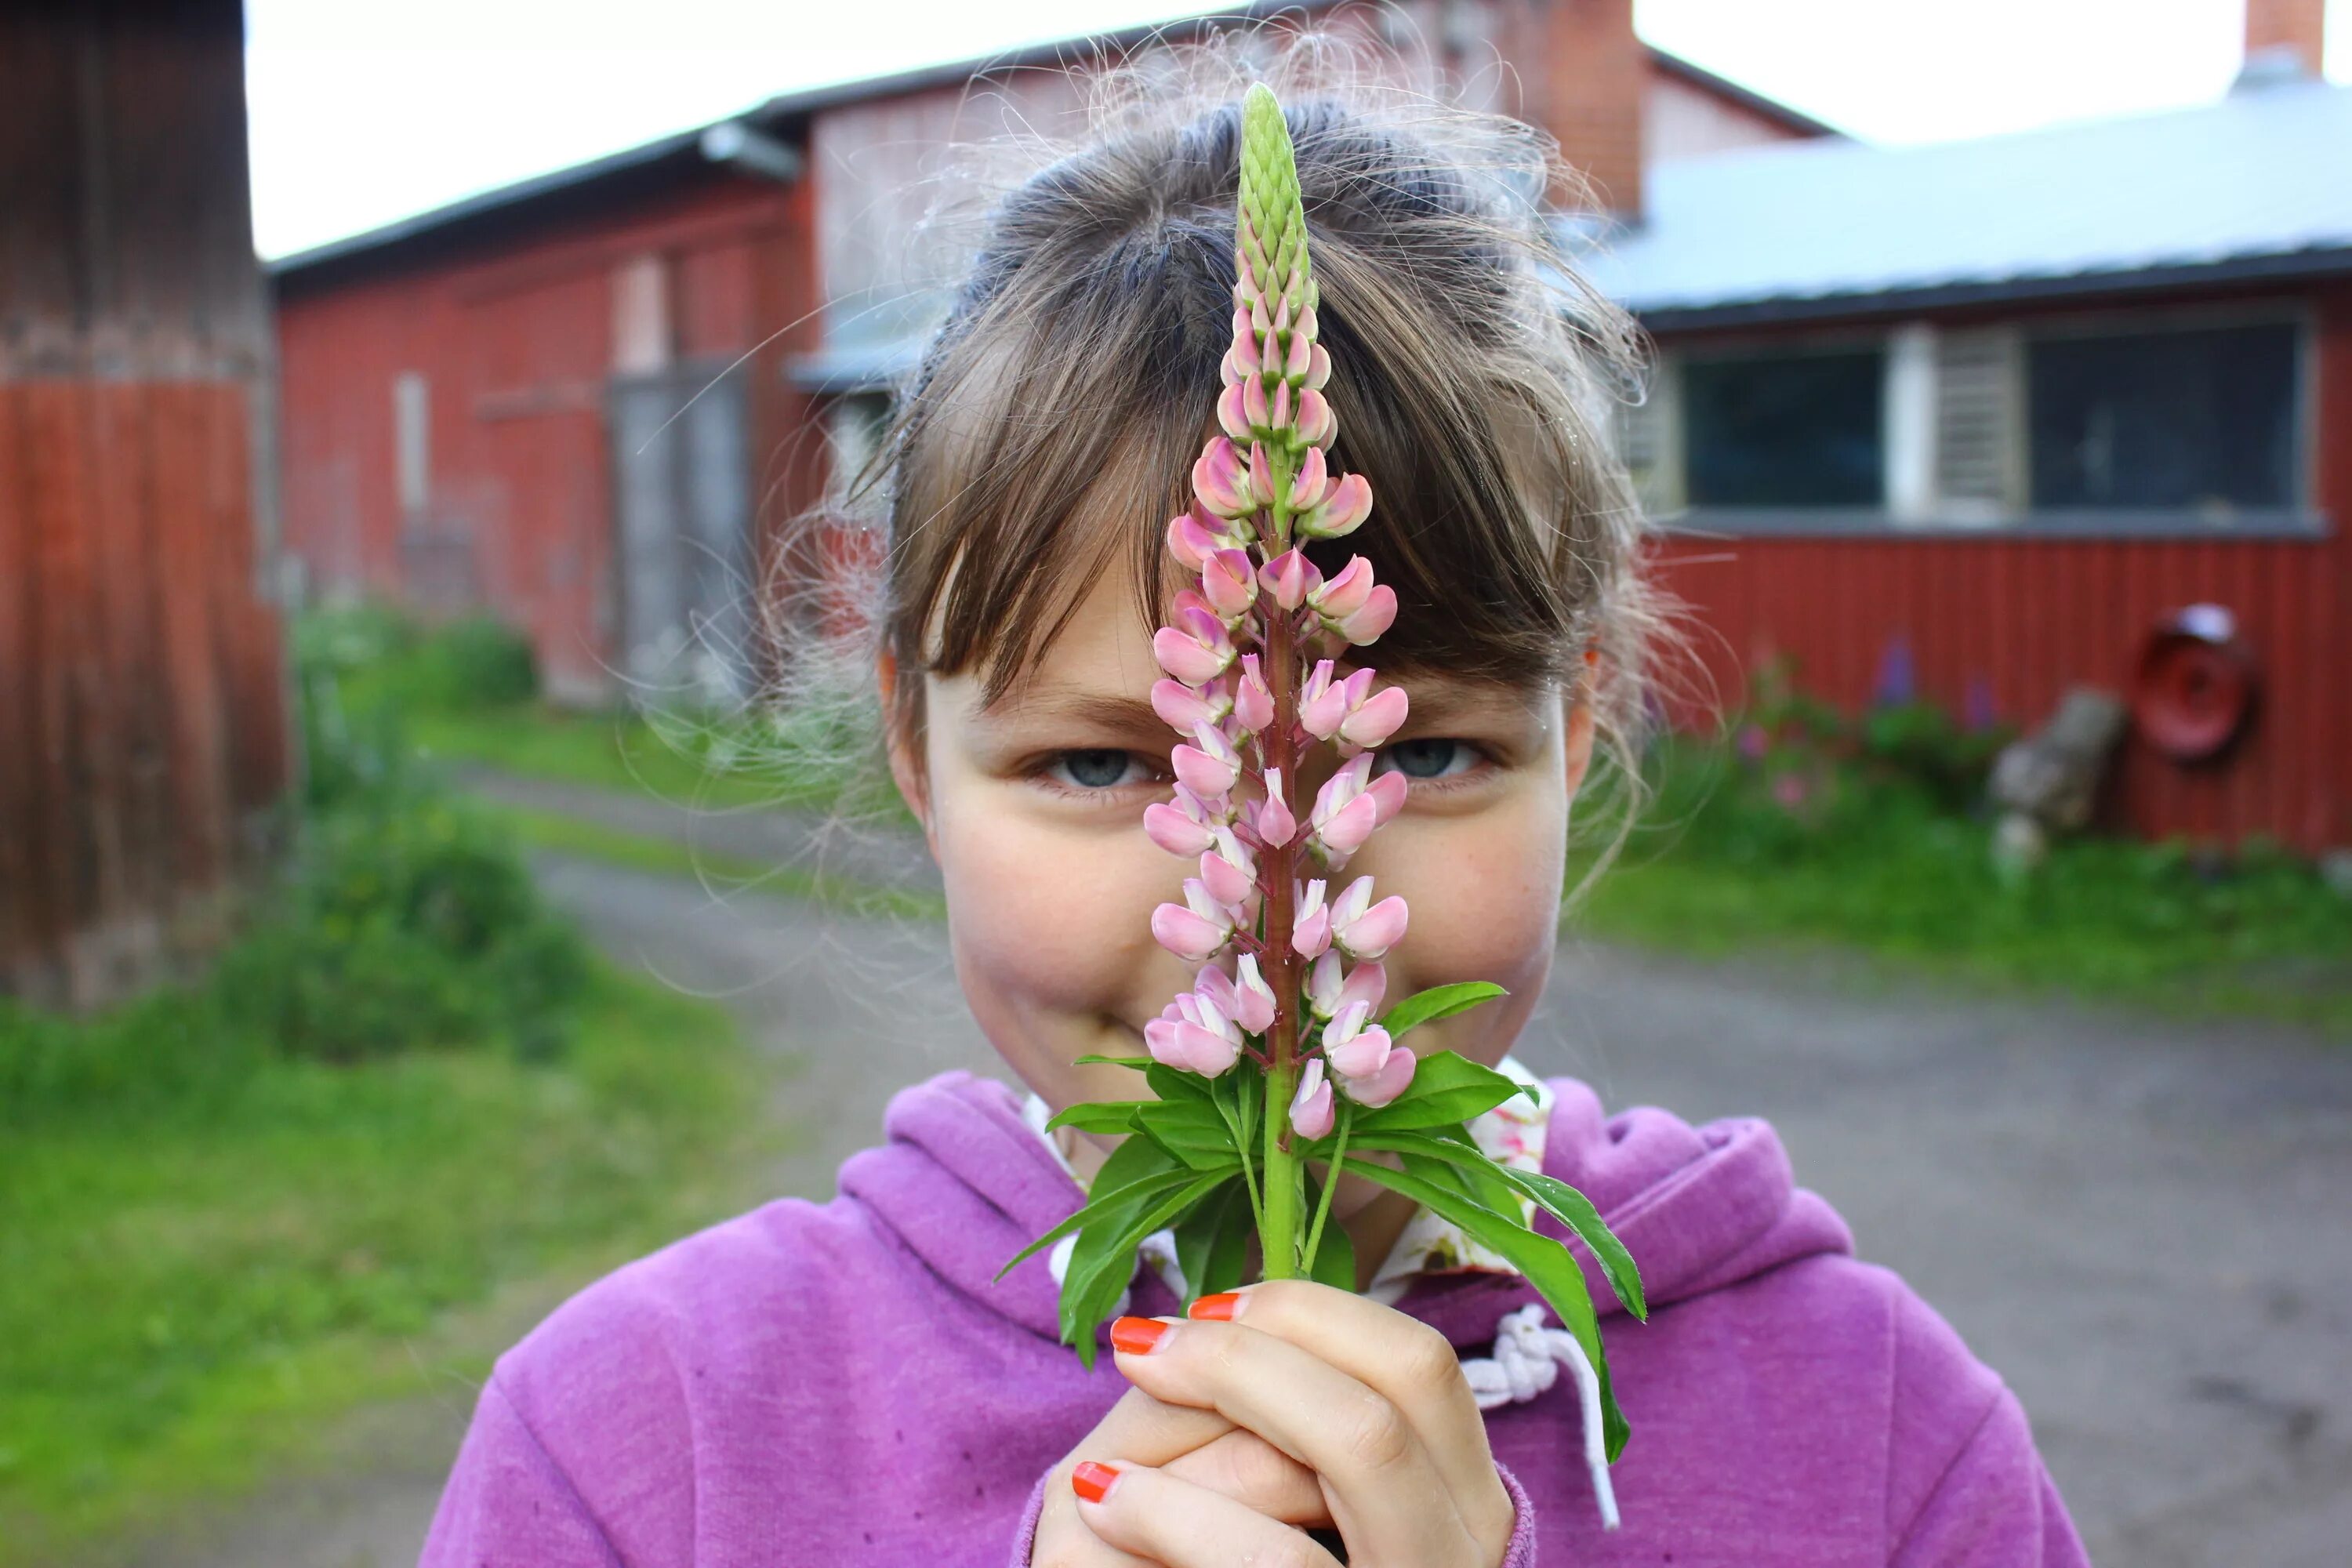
[
  {"x": 1372, "y": 1402},
  {"x": 1197, "y": 1450}
]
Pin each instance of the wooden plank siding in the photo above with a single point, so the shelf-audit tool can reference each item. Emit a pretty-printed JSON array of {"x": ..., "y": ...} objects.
[
  {"x": 143, "y": 734},
  {"x": 2018, "y": 620}
]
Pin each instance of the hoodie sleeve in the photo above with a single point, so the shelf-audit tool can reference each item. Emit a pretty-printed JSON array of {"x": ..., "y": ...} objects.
[
  {"x": 1518, "y": 1553},
  {"x": 1966, "y": 1487},
  {"x": 507, "y": 1502}
]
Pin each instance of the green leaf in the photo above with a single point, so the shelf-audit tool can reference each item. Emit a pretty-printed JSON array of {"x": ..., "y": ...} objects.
[
  {"x": 1212, "y": 1242},
  {"x": 1193, "y": 1131},
  {"x": 1447, "y": 1090},
  {"x": 1109, "y": 1203},
  {"x": 1334, "y": 1254},
  {"x": 1087, "y": 1299},
  {"x": 1549, "y": 1266},
  {"x": 1486, "y": 1180},
  {"x": 1137, "y": 1159},
  {"x": 1137, "y": 1062},
  {"x": 1099, "y": 1116},
  {"x": 1439, "y": 1002},
  {"x": 1574, "y": 1210},
  {"x": 1175, "y": 1086}
]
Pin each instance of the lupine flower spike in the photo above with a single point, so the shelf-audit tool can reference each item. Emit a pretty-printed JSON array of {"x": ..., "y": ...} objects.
[{"x": 1261, "y": 1074}]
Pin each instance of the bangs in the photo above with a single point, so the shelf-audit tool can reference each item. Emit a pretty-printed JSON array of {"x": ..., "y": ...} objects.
[{"x": 1054, "y": 437}]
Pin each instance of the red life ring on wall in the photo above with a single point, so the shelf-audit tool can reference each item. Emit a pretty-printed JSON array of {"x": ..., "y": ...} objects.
[{"x": 2196, "y": 686}]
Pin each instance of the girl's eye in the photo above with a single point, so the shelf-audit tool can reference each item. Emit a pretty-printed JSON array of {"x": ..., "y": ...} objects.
[
  {"x": 1427, "y": 757},
  {"x": 1098, "y": 770}
]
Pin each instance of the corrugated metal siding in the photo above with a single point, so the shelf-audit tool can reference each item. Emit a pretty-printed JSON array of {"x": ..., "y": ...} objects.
[{"x": 2021, "y": 619}]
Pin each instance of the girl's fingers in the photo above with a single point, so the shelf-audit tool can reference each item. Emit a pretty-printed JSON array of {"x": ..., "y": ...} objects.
[
  {"x": 1166, "y": 1519},
  {"x": 1404, "y": 1360},
  {"x": 1382, "y": 1483},
  {"x": 1252, "y": 1471},
  {"x": 1139, "y": 1427}
]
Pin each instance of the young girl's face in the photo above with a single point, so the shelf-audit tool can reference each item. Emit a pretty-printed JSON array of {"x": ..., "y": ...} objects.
[{"x": 1033, "y": 810}]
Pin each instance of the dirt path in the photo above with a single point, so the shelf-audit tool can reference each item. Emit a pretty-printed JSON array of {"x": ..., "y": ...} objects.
[{"x": 2139, "y": 1223}]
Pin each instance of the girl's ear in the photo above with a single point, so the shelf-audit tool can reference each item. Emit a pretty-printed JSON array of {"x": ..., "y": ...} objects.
[
  {"x": 1580, "y": 722},
  {"x": 906, "y": 767}
]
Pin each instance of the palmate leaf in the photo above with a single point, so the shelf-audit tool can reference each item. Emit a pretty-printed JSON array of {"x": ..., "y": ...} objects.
[
  {"x": 1213, "y": 1241},
  {"x": 1136, "y": 1159},
  {"x": 1098, "y": 1276},
  {"x": 1099, "y": 1116},
  {"x": 1439, "y": 1002},
  {"x": 1547, "y": 1264},
  {"x": 1334, "y": 1263},
  {"x": 1137, "y": 1062}
]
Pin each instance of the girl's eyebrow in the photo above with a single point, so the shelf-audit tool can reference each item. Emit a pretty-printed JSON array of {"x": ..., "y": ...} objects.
[{"x": 1094, "y": 707}]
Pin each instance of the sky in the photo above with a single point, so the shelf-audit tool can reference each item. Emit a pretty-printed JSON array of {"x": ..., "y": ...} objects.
[{"x": 363, "y": 114}]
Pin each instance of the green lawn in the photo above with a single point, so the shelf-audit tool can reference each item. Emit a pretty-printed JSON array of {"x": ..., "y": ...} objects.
[{"x": 187, "y": 1291}]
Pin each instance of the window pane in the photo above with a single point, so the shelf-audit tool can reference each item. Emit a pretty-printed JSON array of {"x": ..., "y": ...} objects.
[
  {"x": 2193, "y": 419},
  {"x": 1791, "y": 430}
]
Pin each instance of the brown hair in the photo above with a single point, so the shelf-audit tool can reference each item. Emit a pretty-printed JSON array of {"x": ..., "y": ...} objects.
[{"x": 1049, "y": 431}]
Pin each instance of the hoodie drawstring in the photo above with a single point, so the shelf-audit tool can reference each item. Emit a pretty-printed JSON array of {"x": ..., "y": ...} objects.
[{"x": 1526, "y": 1361}]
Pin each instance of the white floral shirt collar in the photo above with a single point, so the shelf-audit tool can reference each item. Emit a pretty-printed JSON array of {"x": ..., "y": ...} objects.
[{"x": 1511, "y": 1134}]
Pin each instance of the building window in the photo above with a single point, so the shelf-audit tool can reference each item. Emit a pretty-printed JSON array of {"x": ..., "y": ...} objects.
[
  {"x": 411, "y": 433},
  {"x": 1784, "y": 430},
  {"x": 2201, "y": 419}
]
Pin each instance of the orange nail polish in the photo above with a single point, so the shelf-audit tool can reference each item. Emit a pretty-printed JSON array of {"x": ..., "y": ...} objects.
[
  {"x": 1137, "y": 1336},
  {"x": 1222, "y": 1308},
  {"x": 1092, "y": 1481}
]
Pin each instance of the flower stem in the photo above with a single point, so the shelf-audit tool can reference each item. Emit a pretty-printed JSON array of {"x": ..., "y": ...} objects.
[
  {"x": 1278, "y": 1220},
  {"x": 1330, "y": 1180}
]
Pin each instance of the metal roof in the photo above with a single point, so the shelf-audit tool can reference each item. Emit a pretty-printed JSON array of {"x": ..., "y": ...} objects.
[{"x": 2258, "y": 184}]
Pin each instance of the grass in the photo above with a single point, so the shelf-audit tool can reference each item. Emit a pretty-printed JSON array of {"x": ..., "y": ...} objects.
[
  {"x": 610, "y": 751},
  {"x": 186, "y": 1293},
  {"x": 1883, "y": 872}
]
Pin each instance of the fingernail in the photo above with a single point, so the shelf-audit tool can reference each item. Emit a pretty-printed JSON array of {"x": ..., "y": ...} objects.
[
  {"x": 1222, "y": 1308},
  {"x": 1137, "y": 1336},
  {"x": 1093, "y": 1481}
]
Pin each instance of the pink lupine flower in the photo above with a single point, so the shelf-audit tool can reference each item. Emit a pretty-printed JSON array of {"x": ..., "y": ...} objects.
[
  {"x": 1355, "y": 1048},
  {"x": 1196, "y": 649},
  {"x": 1378, "y": 614},
  {"x": 1180, "y": 707},
  {"x": 1181, "y": 1043},
  {"x": 1308, "y": 486},
  {"x": 1227, "y": 869},
  {"x": 1311, "y": 925},
  {"x": 1273, "y": 823},
  {"x": 1232, "y": 413},
  {"x": 1221, "y": 480},
  {"x": 1315, "y": 423},
  {"x": 1311, "y": 1110},
  {"x": 1351, "y": 805},
  {"x": 1185, "y": 826},
  {"x": 1372, "y": 721},
  {"x": 1395, "y": 1076},
  {"x": 1253, "y": 703},
  {"x": 1331, "y": 989},
  {"x": 1254, "y": 1006},
  {"x": 1343, "y": 594},
  {"x": 1257, "y": 416},
  {"x": 1193, "y": 535},
  {"x": 1362, "y": 929},
  {"x": 1291, "y": 578},
  {"x": 1319, "y": 368},
  {"x": 1326, "y": 701},
  {"x": 1229, "y": 583},
  {"x": 1261, "y": 476},
  {"x": 1341, "y": 512},
  {"x": 1209, "y": 765},
  {"x": 1196, "y": 929}
]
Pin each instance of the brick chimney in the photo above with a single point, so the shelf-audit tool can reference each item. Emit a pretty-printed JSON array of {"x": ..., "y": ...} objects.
[
  {"x": 1590, "y": 75},
  {"x": 2285, "y": 38}
]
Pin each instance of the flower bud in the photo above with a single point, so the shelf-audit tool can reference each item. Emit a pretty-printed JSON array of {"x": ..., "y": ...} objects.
[
  {"x": 1261, "y": 478},
  {"x": 1311, "y": 1110},
  {"x": 1253, "y": 702},
  {"x": 1317, "y": 424},
  {"x": 1221, "y": 480},
  {"x": 1195, "y": 651},
  {"x": 1342, "y": 511},
  {"x": 1362, "y": 929},
  {"x": 1229, "y": 583},
  {"x": 1378, "y": 614},
  {"x": 1332, "y": 989},
  {"x": 1342, "y": 595},
  {"x": 1290, "y": 578},
  {"x": 1308, "y": 485},
  {"x": 1310, "y": 926},
  {"x": 1180, "y": 707},
  {"x": 1395, "y": 1077},
  {"x": 1273, "y": 823},
  {"x": 1253, "y": 1003},
  {"x": 1227, "y": 869},
  {"x": 1233, "y": 412},
  {"x": 1208, "y": 766},
  {"x": 1183, "y": 827},
  {"x": 1192, "y": 540},
  {"x": 1375, "y": 719}
]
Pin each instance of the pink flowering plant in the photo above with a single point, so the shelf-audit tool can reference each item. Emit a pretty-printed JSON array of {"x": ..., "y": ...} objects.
[{"x": 1278, "y": 1069}]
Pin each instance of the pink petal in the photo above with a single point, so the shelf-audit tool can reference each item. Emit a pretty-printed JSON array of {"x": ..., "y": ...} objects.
[
  {"x": 1220, "y": 480},
  {"x": 1261, "y": 478},
  {"x": 1275, "y": 826},
  {"x": 1205, "y": 1053},
  {"x": 1349, "y": 504},
  {"x": 1393, "y": 1078},
  {"x": 1378, "y": 717},
  {"x": 1280, "y": 414},
  {"x": 1253, "y": 703},
  {"x": 1344, "y": 594},
  {"x": 1255, "y": 414},
  {"x": 1203, "y": 774},
  {"x": 1229, "y": 583},
  {"x": 1366, "y": 984},
  {"x": 1377, "y": 616},
  {"x": 1323, "y": 985},
  {"x": 1184, "y": 658},
  {"x": 1323, "y": 713},
  {"x": 1175, "y": 832},
  {"x": 1389, "y": 790},
  {"x": 1254, "y": 1007},
  {"x": 1180, "y": 707},
  {"x": 1361, "y": 1056},
  {"x": 1349, "y": 827},
  {"x": 1233, "y": 409},
  {"x": 1307, "y": 485},
  {"x": 1311, "y": 936},
  {"x": 1300, "y": 357},
  {"x": 1227, "y": 883},
  {"x": 1186, "y": 934},
  {"x": 1315, "y": 423},
  {"x": 1311, "y": 1110},
  {"x": 1373, "y": 932},
  {"x": 1319, "y": 368}
]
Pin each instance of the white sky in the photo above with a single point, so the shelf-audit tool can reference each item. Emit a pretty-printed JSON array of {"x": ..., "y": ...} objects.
[{"x": 359, "y": 117}]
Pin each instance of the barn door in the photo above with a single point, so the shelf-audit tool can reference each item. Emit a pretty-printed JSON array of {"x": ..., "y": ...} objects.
[{"x": 681, "y": 491}]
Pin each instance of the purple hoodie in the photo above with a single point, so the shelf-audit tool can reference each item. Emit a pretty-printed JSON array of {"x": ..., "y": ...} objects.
[{"x": 844, "y": 1384}]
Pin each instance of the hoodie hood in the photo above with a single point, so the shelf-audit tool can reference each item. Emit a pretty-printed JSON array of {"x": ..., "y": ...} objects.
[{"x": 964, "y": 1183}]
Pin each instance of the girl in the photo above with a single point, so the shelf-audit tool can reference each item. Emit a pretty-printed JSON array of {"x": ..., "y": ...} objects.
[{"x": 850, "y": 1383}]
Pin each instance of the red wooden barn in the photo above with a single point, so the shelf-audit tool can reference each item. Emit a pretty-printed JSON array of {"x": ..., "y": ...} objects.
[
  {"x": 142, "y": 717},
  {"x": 1973, "y": 419}
]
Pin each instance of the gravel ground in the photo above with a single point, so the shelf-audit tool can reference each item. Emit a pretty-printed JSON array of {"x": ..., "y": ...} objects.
[{"x": 2140, "y": 1222}]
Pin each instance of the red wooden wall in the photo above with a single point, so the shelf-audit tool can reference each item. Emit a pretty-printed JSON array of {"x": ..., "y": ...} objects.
[
  {"x": 2023, "y": 618},
  {"x": 142, "y": 716},
  {"x": 513, "y": 331}
]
